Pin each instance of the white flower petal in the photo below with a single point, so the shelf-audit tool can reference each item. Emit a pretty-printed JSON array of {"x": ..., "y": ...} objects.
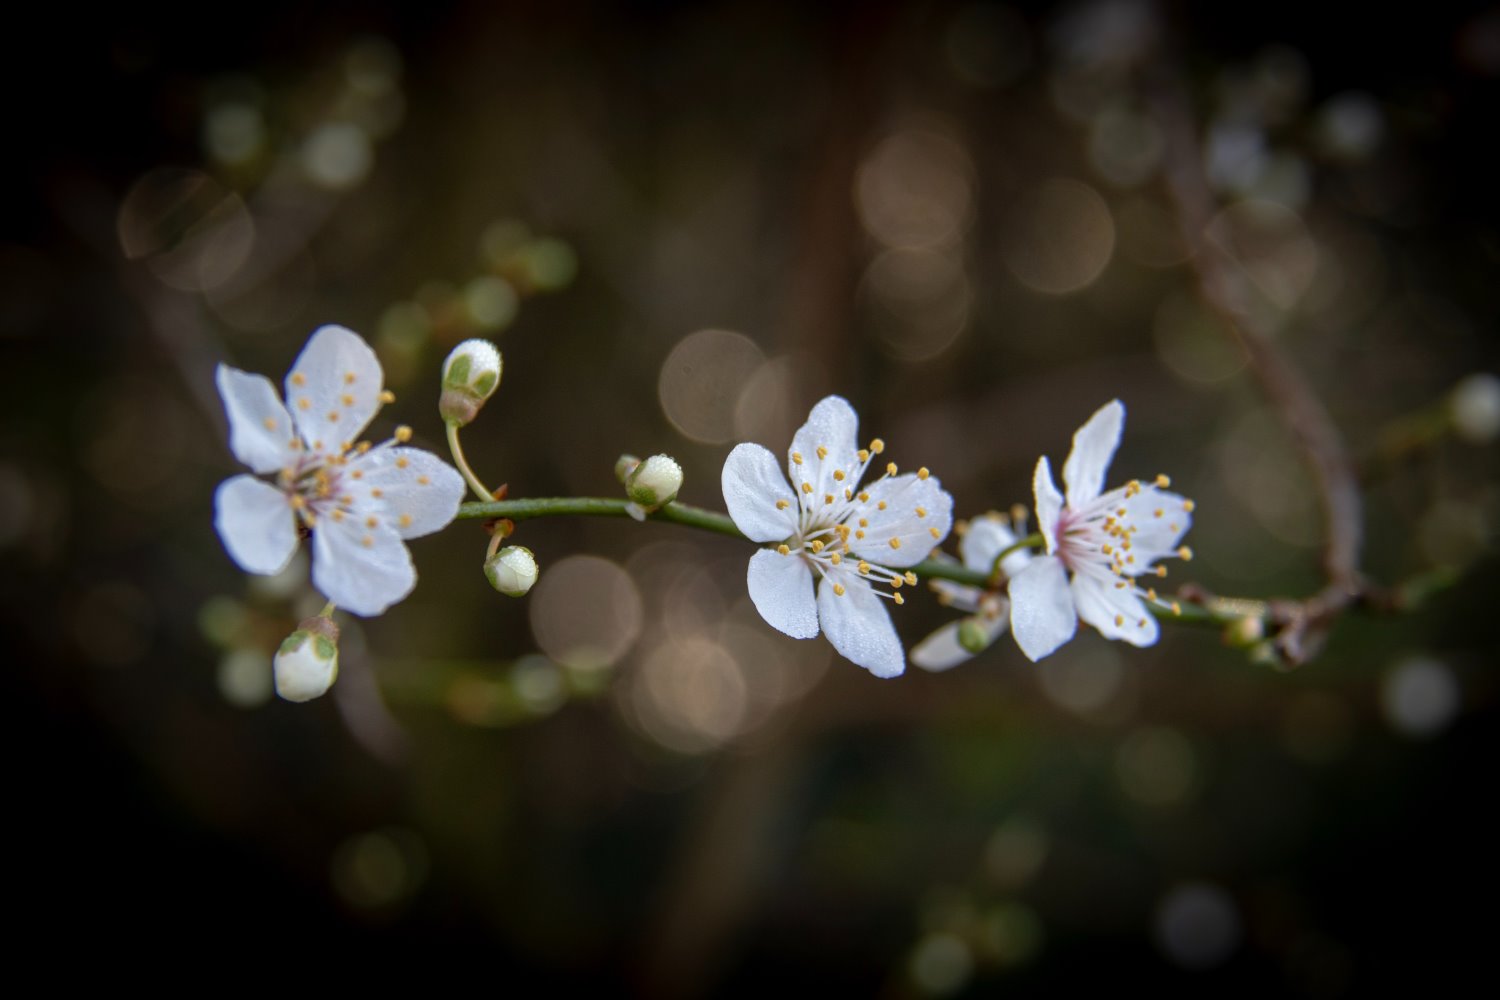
[
  {"x": 334, "y": 388},
  {"x": 832, "y": 425},
  {"x": 256, "y": 524},
  {"x": 752, "y": 484},
  {"x": 781, "y": 588},
  {"x": 1042, "y": 615},
  {"x": 361, "y": 569},
  {"x": 1093, "y": 447},
  {"x": 858, "y": 625},
  {"x": 904, "y": 496},
  {"x": 1048, "y": 502},
  {"x": 986, "y": 539},
  {"x": 1114, "y": 611},
  {"x": 419, "y": 492},
  {"x": 260, "y": 430},
  {"x": 940, "y": 650}
]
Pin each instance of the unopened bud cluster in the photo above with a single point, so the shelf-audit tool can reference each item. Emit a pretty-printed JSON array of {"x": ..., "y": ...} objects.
[
  {"x": 307, "y": 663},
  {"x": 651, "y": 484},
  {"x": 470, "y": 376}
]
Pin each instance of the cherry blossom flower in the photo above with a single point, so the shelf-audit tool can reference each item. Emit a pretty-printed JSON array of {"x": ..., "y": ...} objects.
[
  {"x": 988, "y": 611},
  {"x": 359, "y": 502},
  {"x": 854, "y": 540},
  {"x": 1105, "y": 541}
]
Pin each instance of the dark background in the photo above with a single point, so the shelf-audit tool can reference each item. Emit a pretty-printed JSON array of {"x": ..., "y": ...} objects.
[{"x": 899, "y": 203}]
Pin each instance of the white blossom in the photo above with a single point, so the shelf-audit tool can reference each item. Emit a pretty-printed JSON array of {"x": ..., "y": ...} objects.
[
  {"x": 358, "y": 502},
  {"x": 1098, "y": 546},
  {"x": 988, "y": 611},
  {"x": 852, "y": 542}
]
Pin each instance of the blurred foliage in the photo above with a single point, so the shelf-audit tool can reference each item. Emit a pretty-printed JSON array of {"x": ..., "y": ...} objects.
[{"x": 683, "y": 224}]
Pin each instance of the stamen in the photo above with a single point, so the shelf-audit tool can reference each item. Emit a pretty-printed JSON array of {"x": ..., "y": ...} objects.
[
  {"x": 827, "y": 498},
  {"x": 880, "y": 505},
  {"x": 338, "y": 515},
  {"x": 349, "y": 378},
  {"x": 921, "y": 511},
  {"x": 838, "y": 590},
  {"x": 896, "y": 582},
  {"x": 895, "y": 543},
  {"x": 859, "y": 534},
  {"x": 864, "y": 497},
  {"x": 1185, "y": 554},
  {"x": 898, "y": 599},
  {"x": 346, "y": 399},
  {"x": 934, "y": 532},
  {"x": 796, "y": 458},
  {"x": 1119, "y": 620},
  {"x": 864, "y": 522},
  {"x": 816, "y": 547},
  {"x": 1176, "y": 609},
  {"x": 405, "y": 520},
  {"x": 911, "y": 578},
  {"x": 807, "y": 487},
  {"x": 864, "y": 568},
  {"x": 377, "y": 493},
  {"x": 835, "y": 558},
  {"x": 270, "y": 424},
  {"x": 782, "y": 505},
  {"x": 1163, "y": 481},
  {"x": 357, "y": 474},
  {"x": 387, "y": 396},
  {"x": 372, "y": 521},
  {"x": 838, "y": 475},
  {"x": 1188, "y": 506},
  {"x": 368, "y": 542},
  {"x": 333, "y": 416},
  {"x": 862, "y": 455},
  {"x": 890, "y": 468},
  {"x": 403, "y": 433},
  {"x": 922, "y": 473},
  {"x": 782, "y": 548},
  {"x": 402, "y": 462},
  {"x": 877, "y": 446},
  {"x": 304, "y": 403},
  {"x": 1161, "y": 571}
]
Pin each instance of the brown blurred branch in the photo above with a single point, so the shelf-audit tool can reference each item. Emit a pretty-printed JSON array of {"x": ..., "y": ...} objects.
[{"x": 1302, "y": 624}]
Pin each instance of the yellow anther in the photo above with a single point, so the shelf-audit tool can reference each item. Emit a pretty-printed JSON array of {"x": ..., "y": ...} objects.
[
  {"x": 346, "y": 399},
  {"x": 822, "y": 453},
  {"x": 843, "y": 530},
  {"x": 1106, "y": 548},
  {"x": 364, "y": 446},
  {"x": 337, "y": 515},
  {"x": 405, "y": 520},
  {"x": 934, "y": 532},
  {"x": 1121, "y": 585},
  {"x": 295, "y": 444},
  {"x": 898, "y": 598},
  {"x": 304, "y": 403},
  {"x": 309, "y": 518},
  {"x": 299, "y": 379},
  {"x": 880, "y": 505},
  {"x": 270, "y": 424},
  {"x": 864, "y": 567},
  {"x": 827, "y": 498},
  {"x": 807, "y": 487},
  {"x": 1163, "y": 481},
  {"x": 838, "y": 475},
  {"x": 816, "y": 547},
  {"x": 1176, "y": 608},
  {"x": 921, "y": 511},
  {"x": 350, "y": 378},
  {"x": 1121, "y": 512},
  {"x": 372, "y": 521},
  {"x": 877, "y": 446},
  {"x": 862, "y": 455},
  {"x": 782, "y": 548},
  {"x": 796, "y": 458},
  {"x": 297, "y": 501},
  {"x": 1171, "y": 525},
  {"x": 377, "y": 493},
  {"x": 835, "y": 558},
  {"x": 922, "y": 473},
  {"x": 864, "y": 497},
  {"x": 890, "y": 468},
  {"x": 782, "y": 505},
  {"x": 1188, "y": 506},
  {"x": 838, "y": 590},
  {"x": 1151, "y": 593},
  {"x": 896, "y": 582},
  {"x": 333, "y": 416},
  {"x": 1140, "y": 623},
  {"x": 859, "y": 534},
  {"x": 1185, "y": 554},
  {"x": 387, "y": 396},
  {"x": 368, "y": 542},
  {"x": 1161, "y": 571},
  {"x": 895, "y": 543},
  {"x": 911, "y": 578},
  {"x": 1158, "y": 512},
  {"x": 403, "y": 433},
  {"x": 423, "y": 481},
  {"x": 864, "y": 522},
  {"x": 357, "y": 474},
  {"x": 848, "y": 493},
  {"x": 402, "y": 462},
  {"x": 1119, "y": 620}
]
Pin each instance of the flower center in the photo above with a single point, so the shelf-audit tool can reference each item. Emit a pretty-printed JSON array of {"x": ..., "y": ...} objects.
[{"x": 1123, "y": 534}]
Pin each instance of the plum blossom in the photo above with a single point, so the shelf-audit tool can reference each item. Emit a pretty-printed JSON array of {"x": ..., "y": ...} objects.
[
  {"x": 1104, "y": 541},
  {"x": 852, "y": 541},
  {"x": 988, "y": 611},
  {"x": 358, "y": 502}
]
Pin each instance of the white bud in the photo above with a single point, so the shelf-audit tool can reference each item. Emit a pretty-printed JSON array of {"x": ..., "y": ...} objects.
[
  {"x": 1475, "y": 405},
  {"x": 471, "y": 374},
  {"x": 654, "y": 482},
  {"x": 512, "y": 570},
  {"x": 307, "y": 663}
]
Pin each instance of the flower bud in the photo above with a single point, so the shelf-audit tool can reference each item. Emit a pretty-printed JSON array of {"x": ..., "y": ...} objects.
[
  {"x": 470, "y": 376},
  {"x": 654, "y": 482},
  {"x": 973, "y": 636},
  {"x": 1475, "y": 407},
  {"x": 307, "y": 663},
  {"x": 624, "y": 466},
  {"x": 512, "y": 570}
]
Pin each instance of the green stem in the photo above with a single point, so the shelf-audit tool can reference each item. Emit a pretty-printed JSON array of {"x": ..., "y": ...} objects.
[{"x": 463, "y": 465}]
